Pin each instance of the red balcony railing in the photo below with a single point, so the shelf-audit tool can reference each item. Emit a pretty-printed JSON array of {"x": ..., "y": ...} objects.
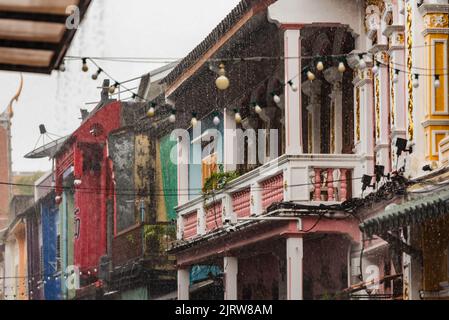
[
  {"x": 272, "y": 190},
  {"x": 214, "y": 216},
  {"x": 241, "y": 202},
  {"x": 190, "y": 225},
  {"x": 331, "y": 184}
]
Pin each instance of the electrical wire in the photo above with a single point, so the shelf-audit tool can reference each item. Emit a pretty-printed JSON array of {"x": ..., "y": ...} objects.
[{"x": 159, "y": 191}]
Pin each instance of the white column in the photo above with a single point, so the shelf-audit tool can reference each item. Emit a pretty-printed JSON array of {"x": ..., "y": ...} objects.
[
  {"x": 229, "y": 141},
  {"x": 382, "y": 96},
  {"x": 183, "y": 284},
  {"x": 293, "y": 107},
  {"x": 256, "y": 199},
  {"x": 294, "y": 268},
  {"x": 228, "y": 209},
  {"x": 183, "y": 169},
  {"x": 334, "y": 77},
  {"x": 201, "y": 221},
  {"x": 230, "y": 277},
  {"x": 313, "y": 90}
]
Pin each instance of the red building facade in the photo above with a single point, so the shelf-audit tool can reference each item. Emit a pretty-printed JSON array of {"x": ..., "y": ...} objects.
[{"x": 86, "y": 152}]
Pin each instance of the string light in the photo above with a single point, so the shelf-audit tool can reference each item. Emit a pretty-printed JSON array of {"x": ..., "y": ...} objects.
[
  {"x": 341, "y": 67},
  {"x": 276, "y": 98},
  {"x": 113, "y": 87},
  {"x": 216, "y": 119},
  {"x": 222, "y": 81},
  {"x": 238, "y": 117},
  {"x": 151, "y": 111},
  {"x": 395, "y": 76},
  {"x": 257, "y": 108},
  {"x": 375, "y": 68},
  {"x": 320, "y": 66},
  {"x": 362, "y": 63},
  {"x": 172, "y": 117},
  {"x": 194, "y": 120},
  {"x": 293, "y": 86},
  {"x": 437, "y": 83},
  {"x": 416, "y": 81},
  {"x": 310, "y": 75},
  {"x": 85, "y": 67},
  {"x": 62, "y": 67},
  {"x": 96, "y": 74}
]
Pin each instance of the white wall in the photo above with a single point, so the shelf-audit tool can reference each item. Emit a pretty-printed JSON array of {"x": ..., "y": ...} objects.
[{"x": 322, "y": 11}]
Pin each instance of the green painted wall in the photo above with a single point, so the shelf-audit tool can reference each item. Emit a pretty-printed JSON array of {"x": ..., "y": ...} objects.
[
  {"x": 169, "y": 176},
  {"x": 66, "y": 229}
]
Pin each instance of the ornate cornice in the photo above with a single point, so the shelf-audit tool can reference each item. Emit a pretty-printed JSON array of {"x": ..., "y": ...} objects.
[{"x": 433, "y": 8}]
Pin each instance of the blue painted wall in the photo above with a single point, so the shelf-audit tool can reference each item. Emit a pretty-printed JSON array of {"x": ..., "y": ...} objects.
[
  {"x": 196, "y": 152},
  {"x": 50, "y": 214}
]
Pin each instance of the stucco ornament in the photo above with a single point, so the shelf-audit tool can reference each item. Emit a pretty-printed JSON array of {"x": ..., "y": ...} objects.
[
  {"x": 372, "y": 20},
  {"x": 437, "y": 21}
]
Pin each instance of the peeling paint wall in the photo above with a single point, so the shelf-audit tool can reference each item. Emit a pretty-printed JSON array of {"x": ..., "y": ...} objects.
[{"x": 121, "y": 151}]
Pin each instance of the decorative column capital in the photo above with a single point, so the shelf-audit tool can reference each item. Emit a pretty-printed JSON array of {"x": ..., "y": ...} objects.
[{"x": 436, "y": 18}]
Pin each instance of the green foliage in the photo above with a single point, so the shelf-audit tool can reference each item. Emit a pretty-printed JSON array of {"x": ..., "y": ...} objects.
[
  {"x": 157, "y": 236},
  {"x": 218, "y": 181}
]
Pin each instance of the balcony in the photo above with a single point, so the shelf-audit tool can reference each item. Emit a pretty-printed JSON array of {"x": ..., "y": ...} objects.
[{"x": 306, "y": 178}]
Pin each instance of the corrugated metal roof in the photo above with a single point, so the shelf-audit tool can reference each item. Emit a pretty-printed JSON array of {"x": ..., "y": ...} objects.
[{"x": 410, "y": 212}]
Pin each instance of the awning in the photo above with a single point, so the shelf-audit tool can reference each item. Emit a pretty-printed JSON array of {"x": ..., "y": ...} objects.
[
  {"x": 34, "y": 35},
  {"x": 427, "y": 206}
]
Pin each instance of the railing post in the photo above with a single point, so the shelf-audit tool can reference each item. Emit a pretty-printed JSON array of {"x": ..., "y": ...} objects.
[
  {"x": 317, "y": 196},
  {"x": 330, "y": 184},
  {"x": 343, "y": 184}
]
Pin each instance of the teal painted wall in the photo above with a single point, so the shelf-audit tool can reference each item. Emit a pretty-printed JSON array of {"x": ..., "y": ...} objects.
[{"x": 169, "y": 176}]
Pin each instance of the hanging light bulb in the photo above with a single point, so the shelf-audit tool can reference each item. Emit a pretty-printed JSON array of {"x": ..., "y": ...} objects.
[
  {"x": 194, "y": 120},
  {"x": 396, "y": 76},
  {"x": 216, "y": 120},
  {"x": 238, "y": 117},
  {"x": 257, "y": 108},
  {"x": 172, "y": 117},
  {"x": 437, "y": 83},
  {"x": 222, "y": 81},
  {"x": 320, "y": 66},
  {"x": 95, "y": 269},
  {"x": 293, "y": 86},
  {"x": 151, "y": 111},
  {"x": 416, "y": 81},
  {"x": 341, "y": 67},
  {"x": 62, "y": 67},
  {"x": 113, "y": 88},
  {"x": 85, "y": 67},
  {"x": 310, "y": 75},
  {"x": 375, "y": 68},
  {"x": 276, "y": 98},
  {"x": 362, "y": 63},
  {"x": 96, "y": 74}
]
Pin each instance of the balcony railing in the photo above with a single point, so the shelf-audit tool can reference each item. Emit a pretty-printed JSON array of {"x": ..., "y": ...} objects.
[{"x": 307, "y": 178}]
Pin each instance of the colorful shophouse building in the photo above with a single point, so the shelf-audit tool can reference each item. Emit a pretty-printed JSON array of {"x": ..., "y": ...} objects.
[
  {"x": 85, "y": 197},
  {"x": 277, "y": 228}
]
